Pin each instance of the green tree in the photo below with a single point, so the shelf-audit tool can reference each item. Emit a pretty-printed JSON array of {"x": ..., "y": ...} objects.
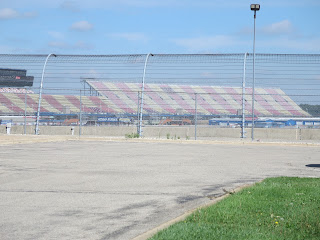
[{"x": 313, "y": 110}]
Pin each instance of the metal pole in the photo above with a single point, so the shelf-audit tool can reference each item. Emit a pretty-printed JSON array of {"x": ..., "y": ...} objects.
[
  {"x": 84, "y": 86},
  {"x": 142, "y": 91},
  {"x": 25, "y": 112},
  {"x": 138, "y": 112},
  {"x": 243, "y": 97},
  {"x": 196, "y": 116},
  {"x": 253, "y": 71},
  {"x": 40, "y": 92},
  {"x": 80, "y": 114}
]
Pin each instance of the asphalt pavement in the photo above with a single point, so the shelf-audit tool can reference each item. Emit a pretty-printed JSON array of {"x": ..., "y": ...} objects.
[{"x": 121, "y": 189}]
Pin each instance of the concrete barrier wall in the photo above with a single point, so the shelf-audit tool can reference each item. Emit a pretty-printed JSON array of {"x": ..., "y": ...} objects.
[
  {"x": 189, "y": 132},
  {"x": 273, "y": 133},
  {"x": 309, "y": 134},
  {"x": 66, "y": 130},
  {"x": 111, "y": 131},
  {"x": 182, "y": 132}
]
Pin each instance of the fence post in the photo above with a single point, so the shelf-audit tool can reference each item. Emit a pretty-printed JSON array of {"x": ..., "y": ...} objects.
[
  {"x": 243, "y": 97},
  {"x": 142, "y": 91},
  {"x": 25, "y": 112},
  {"x": 80, "y": 114},
  {"x": 196, "y": 116},
  {"x": 40, "y": 92},
  {"x": 138, "y": 112}
]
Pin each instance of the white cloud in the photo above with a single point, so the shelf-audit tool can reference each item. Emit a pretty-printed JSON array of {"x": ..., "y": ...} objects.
[
  {"x": 80, "y": 45},
  {"x": 206, "y": 43},
  {"x": 246, "y": 31},
  {"x": 29, "y": 14},
  {"x": 56, "y": 35},
  {"x": 129, "y": 36},
  {"x": 70, "y": 5},
  {"x": 83, "y": 45},
  {"x": 9, "y": 13},
  {"x": 283, "y": 27},
  {"x": 278, "y": 28},
  {"x": 5, "y": 49},
  {"x": 298, "y": 45},
  {"x": 81, "y": 26},
  {"x": 58, "y": 44}
]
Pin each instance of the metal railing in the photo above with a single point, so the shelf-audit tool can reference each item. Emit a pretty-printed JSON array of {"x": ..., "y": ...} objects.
[{"x": 165, "y": 89}]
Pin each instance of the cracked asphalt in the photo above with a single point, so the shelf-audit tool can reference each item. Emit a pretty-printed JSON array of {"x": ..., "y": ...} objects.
[{"x": 121, "y": 189}]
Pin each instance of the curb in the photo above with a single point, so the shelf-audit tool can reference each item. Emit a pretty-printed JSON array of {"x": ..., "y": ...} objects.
[{"x": 182, "y": 217}]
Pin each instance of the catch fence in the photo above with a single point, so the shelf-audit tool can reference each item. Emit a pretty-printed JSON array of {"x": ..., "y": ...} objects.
[{"x": 199, "y": 91}]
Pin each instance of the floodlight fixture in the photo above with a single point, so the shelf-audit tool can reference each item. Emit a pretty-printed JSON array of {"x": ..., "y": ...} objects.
[{"x": 255, "y": 7}]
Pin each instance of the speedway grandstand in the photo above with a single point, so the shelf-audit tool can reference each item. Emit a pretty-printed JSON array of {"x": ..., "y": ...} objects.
[
  {"x": 161, "y": 99},
  {"x": 170, "y": 99},
  {"x": 14, "y": 103}
]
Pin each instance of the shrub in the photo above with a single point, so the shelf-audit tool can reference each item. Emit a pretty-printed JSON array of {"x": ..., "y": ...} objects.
[{"x": 132, "y": 135}]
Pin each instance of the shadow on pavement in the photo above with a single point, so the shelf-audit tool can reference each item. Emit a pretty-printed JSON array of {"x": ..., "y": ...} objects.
[{"x": 313, "y": 165}]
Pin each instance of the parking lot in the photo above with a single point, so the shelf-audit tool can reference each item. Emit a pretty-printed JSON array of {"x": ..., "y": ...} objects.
[{"x": 98, "y": 189}]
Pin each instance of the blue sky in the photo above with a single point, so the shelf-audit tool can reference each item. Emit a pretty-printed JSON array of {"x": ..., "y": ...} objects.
[{"x": 157, "y": 26}]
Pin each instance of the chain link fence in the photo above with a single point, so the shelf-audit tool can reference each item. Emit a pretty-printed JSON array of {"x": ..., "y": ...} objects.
[{"x": 162, "y": 95}]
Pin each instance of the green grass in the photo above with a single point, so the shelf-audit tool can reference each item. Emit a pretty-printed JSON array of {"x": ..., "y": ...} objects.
[
  {"x": 132, "y": 135},
  {"x": 277, "y": 208}
]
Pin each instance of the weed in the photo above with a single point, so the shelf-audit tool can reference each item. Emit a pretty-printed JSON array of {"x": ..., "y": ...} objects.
[{"x": 132, "y": 135}]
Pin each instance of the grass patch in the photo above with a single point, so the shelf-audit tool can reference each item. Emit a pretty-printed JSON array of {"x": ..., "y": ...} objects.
[
  {"x": 132, "y": 135},
  {"x": 277, "y": 208}
]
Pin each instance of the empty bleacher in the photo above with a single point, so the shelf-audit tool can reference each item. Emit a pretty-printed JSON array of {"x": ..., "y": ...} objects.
[
  {"x": 14, "y": 103},
  {"x": 211, "y": 100},
  {"x": 158, "y": 99}
]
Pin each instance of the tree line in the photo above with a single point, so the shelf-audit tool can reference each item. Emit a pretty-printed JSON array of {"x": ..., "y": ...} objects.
[{"x": 313, "y": 110}]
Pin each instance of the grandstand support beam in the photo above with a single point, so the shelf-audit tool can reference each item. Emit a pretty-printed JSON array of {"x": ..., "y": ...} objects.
[
  {"x": 243, "y": 97},
  {"x": 40, "y": 92},
  {"x": 142, "y": 91}
]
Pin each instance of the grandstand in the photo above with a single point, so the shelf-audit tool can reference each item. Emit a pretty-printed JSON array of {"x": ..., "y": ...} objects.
[
  {"x": 123, "y": 98},
  {"x": 180, "y": 99},
  {"x": 14, "y": 103},
  {"x": 15, "y": 78}
]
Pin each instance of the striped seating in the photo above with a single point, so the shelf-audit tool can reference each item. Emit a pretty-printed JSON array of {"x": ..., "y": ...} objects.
[
  {"x": 15, "y": 90},
  {"x": 159, "y": 99},
  {"x": 211, "y": 100},
  {"x": 14, "y": 103}
]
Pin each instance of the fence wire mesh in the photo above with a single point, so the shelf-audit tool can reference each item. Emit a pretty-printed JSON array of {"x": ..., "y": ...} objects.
[{"x": 198, "y": 90}]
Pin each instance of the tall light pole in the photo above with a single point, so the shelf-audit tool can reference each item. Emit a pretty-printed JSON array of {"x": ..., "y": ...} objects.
[
  {"x": 255, "y": 8},
  {"x": 142, "y": 92},
  {"x": 40, "y": 92}
]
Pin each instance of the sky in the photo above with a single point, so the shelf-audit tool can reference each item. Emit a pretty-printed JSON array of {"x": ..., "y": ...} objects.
[{"x": 158, "y": 26}]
